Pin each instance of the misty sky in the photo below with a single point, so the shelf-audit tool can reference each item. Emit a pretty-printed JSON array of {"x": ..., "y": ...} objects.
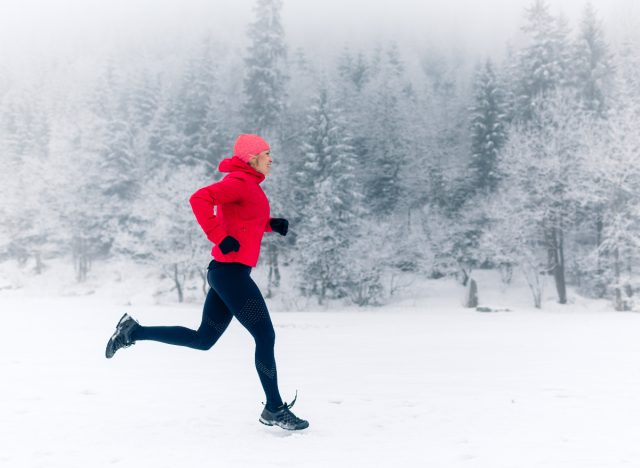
[{"x": 48, "y": 27}]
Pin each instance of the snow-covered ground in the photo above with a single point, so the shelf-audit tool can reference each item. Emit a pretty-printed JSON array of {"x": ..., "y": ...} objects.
[{"x": 421, "y": 383}]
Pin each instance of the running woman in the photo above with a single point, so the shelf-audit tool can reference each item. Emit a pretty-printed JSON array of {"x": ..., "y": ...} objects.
[{"x": 236, "y": 230}]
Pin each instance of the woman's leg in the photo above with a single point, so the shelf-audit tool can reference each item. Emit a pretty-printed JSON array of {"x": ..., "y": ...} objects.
[
  {"x": 215, "y": 319},
  {"x": 243, "y": 298}
]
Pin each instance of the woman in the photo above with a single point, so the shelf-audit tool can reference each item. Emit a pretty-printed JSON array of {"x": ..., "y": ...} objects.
[{"x": 236, "y": 230}]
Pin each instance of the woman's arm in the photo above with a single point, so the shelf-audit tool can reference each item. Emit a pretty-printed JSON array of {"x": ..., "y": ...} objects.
[
  {"x": 267, "y": 228},
  {"x": 228, "y": 190},
  {"x": 279, "y": 225}
]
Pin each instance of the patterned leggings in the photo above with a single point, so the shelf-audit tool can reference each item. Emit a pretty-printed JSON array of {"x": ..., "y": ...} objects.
[{"x": 232, "y": 293}]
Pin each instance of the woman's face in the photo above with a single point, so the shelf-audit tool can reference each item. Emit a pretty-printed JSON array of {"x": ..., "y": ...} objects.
[{"x": 262, "y": 162}]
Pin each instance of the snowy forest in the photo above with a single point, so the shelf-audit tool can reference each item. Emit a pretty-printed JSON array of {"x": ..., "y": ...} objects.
[{"x": 385, "y": 163}]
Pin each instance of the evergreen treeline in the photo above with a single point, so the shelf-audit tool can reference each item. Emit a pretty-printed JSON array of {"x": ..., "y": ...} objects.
[{"x": 529, "y": 163}]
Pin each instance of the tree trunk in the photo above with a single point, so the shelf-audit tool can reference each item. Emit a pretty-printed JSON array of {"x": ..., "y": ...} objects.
[
  {"x": 273, "y": 277},
  {"x": 472, "y": 295},
  {"x": 600, "y": 287},
  {"x": 620, "y": 304},
  {"x": 561, "y": 283},
  {"x": 535, "y": 280},
  {"x": 39, "y": 264},
  {"x": 81, "y": 261},
  {"x": 556, "y": 260},
  {"x": 506, "y": 272},
  {"x": 205, "y": 283},
  {"x": 464, "y": 275},
  {"x": 176, "y": 280}
]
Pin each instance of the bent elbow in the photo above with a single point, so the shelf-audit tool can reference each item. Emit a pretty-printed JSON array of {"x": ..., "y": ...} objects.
[{"x": 195, "y": 196}]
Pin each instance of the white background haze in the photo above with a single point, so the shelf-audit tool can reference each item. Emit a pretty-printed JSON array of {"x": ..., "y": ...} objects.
[{"x": 29, "y": 27}]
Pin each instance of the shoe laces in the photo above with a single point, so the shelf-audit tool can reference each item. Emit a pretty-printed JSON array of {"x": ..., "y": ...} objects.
[
  {"x": 287, "y": 415},
  {"x": 121, "y": 342},
  {"x": 290, "y": 405}
]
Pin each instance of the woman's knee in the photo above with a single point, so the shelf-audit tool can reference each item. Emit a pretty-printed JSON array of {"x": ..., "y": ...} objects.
[
  {"x": 205, "y": 341},
  {"x": 266, "y": 338}
]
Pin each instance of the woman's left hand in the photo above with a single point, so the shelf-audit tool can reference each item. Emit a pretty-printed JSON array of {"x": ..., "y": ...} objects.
[{"x": 279, "y": 225}]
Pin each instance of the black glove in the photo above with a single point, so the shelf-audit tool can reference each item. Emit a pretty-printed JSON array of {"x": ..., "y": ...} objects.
[
  {"x": 229, "y": 244},
  {"x": 280, "y": 225}
]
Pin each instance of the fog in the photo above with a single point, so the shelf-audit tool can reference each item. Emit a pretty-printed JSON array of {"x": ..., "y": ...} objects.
[
  {"x": 39, "y": 28},
  {"x": 409, "y": 153}
]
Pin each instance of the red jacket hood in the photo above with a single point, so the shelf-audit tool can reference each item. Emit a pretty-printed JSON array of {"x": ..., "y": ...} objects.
[{"x": 236, "y": 164}]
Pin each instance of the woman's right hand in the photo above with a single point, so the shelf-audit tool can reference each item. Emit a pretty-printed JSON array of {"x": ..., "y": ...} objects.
[{"x": 229, "y": 244}]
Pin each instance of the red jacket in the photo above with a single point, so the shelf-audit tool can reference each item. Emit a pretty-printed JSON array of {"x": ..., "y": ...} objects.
[{"x": 242, "y": 211}]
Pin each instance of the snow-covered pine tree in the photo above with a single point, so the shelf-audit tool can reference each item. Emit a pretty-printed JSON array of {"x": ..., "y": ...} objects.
[
  {"x": 110, "y": 177},
  {"x": 488, "y": 128},
  {"x": 543, "y": 65},
  {"x": 441, "y": 145},
  {"x": 592, "y": 67},
  {"x": 350, "y": 77},
  {"x": 265, "y": 89},
  {"x": 328, "y": 200},
  {"x": 266, "y": 78},
  {"x": 143, "y": 94},
  {"x": 196, "y": 112},
  {"x": 143, "y": 103},
  {"x": 303, "y": 78},
  {"x": 612, "y": 163},
  {"x": 592, "y": 78},
  {"x": 25, "y": 131},
  {"x": 459, "y": 251},
  {"x": 353, "y": 70},
  {"x": 386, "y": 109},
  {"x": 543, "y": 74},
  {"x": 165, "y": 140}
]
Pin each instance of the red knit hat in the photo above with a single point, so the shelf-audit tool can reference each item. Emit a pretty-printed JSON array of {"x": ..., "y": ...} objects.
[{"x": 248, "y": 145}]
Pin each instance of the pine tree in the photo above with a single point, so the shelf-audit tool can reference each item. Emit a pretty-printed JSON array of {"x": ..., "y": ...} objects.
[
  {"x": 165, "y": 140},
  {"x": 387, "y": 111},
  {"x": 143, "y": 95},
  {"x": 353, "y": 70},
  {"x": 109, "y": 178},
  {"x": 328, "y": 200},
  {"x": 543, "y": 65},
  {"x": 265, "y": 81},
  {"x": 592, "y": 65},
  {"x": 488, "y": 128},
  {"x": 25, "y": 128},
  {"x": 611, "y": 163},
  {"x": 197, "y": 114},
  {"x": 442, "y": 143},
  {"x": 592, "y": 80},
  {"x": 543, "y": 79},
  {"x": 265, "y": 87}
]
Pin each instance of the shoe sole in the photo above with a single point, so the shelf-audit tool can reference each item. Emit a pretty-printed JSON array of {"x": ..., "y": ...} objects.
[
  {"x": 267, "y": 423},
  {"x": 118, "y": 329}
]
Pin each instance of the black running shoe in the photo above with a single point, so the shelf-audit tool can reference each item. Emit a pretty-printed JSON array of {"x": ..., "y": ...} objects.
[
  {"x": 121, "y": 338},
  {"x": 283, "y": 417}
]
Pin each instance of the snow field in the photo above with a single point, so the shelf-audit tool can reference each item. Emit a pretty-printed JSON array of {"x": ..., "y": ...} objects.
[{"x": 414, "y": 385}]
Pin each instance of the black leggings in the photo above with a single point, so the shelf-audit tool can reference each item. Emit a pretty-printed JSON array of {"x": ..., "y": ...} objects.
[{"x": 232, "y": 293}]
